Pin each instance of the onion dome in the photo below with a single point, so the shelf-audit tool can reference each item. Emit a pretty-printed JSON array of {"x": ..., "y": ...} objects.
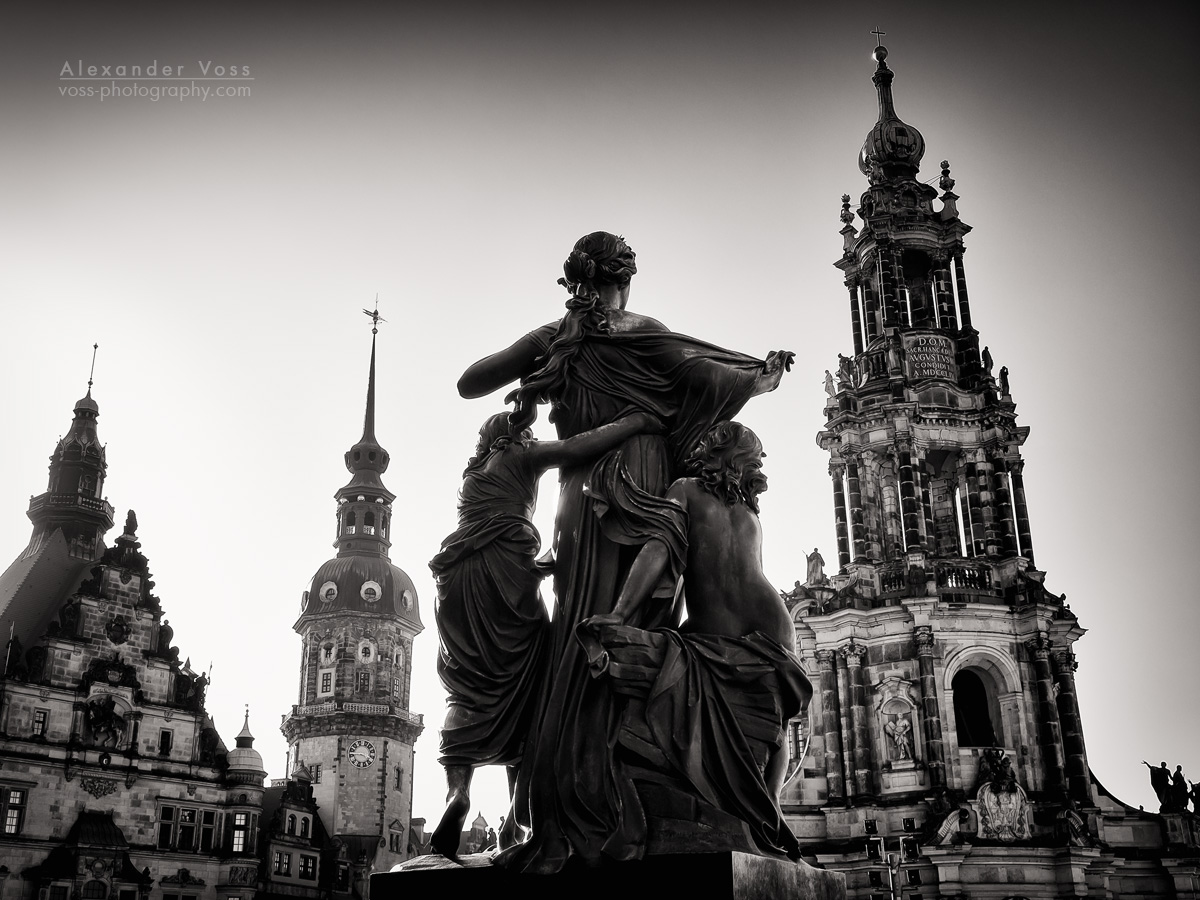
[
  {"x": 893, "y": 149},
  {"x": 245, "y": 763}
]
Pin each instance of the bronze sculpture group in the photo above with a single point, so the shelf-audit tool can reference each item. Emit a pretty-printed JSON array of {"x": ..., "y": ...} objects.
[{"x": 610, "y": 714}]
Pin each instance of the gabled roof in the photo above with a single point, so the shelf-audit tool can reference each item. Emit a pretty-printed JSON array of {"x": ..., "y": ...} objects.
[{"x": 37, "y": 584}]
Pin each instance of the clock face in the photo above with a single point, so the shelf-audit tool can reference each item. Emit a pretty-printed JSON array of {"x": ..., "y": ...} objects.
[{"x": 362, "y": 753}]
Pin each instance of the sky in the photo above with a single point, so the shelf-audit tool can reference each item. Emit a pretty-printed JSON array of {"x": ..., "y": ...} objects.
[{"x": 220, "y": 250}]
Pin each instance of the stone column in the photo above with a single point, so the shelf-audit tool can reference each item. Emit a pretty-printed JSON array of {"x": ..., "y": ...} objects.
[
  {"x": 964, "y": 507},
  {"x": 836, "y": 471},
  {"x": 987, "y": 509},
  {"x": 846, "y": 723},
  {"x": 855, "y": 317},
  {"x": 831, "y": 726},
  {"x": 975, "y": 508},
  {"x": 908, "y": 496},
  {"x": 1018, "y": 481},
  {"x": 903, "y": 299},
  {"x": 931, "y": 716},
  {"x": 854, "y": 502},
  {"x": 1004, "y": 510},
  {"x": 960, "y": 276},
  {"x": 1049, "y": 727},
  {"x": 887, "y": 286},
  {"x": 871, "y": 308},
  {"x": 863, "y": 771},
  {"x": 944, "y": 294},
  {"x": 931, "y": 537},
  {"x": 1079, "y": 783}
]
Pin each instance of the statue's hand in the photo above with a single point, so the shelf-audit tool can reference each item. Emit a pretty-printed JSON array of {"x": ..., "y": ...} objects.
[
  {"x": 652, "y": 424},
  {"x": 593, "y": 623},
  {"x": 777, "y": 362}
]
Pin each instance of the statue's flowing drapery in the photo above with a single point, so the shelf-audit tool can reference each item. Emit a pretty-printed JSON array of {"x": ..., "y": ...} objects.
[
  {"x": 570, "y": 790},
  {"x": 491, "y": 620}
]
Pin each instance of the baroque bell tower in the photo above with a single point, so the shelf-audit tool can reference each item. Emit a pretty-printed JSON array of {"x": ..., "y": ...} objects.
[
  {"x": 351, "y": 727},
  {"x": 945, "y": 707}
]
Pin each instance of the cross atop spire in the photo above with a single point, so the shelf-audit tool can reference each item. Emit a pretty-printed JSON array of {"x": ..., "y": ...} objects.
[{"x": 878, "y": 34}]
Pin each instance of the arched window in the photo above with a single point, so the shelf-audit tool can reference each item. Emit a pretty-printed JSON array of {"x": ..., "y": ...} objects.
[
  {"x": 95, "y": 890},
  {"x": 975, "y": 710},
  {"x": 291, "y": 825},
  {"x": 368, "y": 522},
  {"x": 304, "y": 827},
  {"x": 350, "y": 522},
  {"x": 383, "y": 526}
]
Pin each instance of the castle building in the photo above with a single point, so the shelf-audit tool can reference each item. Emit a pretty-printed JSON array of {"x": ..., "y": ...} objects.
[
  {"x": 351, "y": 728},
  {"x": 114, "y": 782},
  {"x": 946, "y": 752}
]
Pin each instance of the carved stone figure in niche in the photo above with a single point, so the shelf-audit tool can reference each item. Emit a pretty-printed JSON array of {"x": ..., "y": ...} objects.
[
  {"x": 733, "y": 678},
  {"x": 899, "y": 732},
  {"x": 987, "y": 361},
  {"x": 895, "y": 355},
  {"x": 105, "y": 723},
  {"x": 599, "y": 362},
  {"x": 487, "y": 586},
  {"x": 816, "y": 568},
  {"x": 1004, "y": 379}
]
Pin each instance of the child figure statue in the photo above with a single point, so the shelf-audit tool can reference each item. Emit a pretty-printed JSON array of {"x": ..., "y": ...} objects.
[{"x": 491, "y": 620}]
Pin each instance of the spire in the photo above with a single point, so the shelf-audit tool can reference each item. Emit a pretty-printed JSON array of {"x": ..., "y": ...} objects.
[
  {"x": 893, "y": 149},
  {"x": 364, "y": 503},
  {"x": 244, "y": 738}
]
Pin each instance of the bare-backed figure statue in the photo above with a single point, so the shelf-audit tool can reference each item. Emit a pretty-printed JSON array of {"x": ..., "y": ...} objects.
[
  {"x": 730, "y": 675},
  {"x": 491, "y": 620}
]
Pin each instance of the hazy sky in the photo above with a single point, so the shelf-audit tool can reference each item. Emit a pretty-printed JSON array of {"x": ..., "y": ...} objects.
[{"x": 220, "y": 250}]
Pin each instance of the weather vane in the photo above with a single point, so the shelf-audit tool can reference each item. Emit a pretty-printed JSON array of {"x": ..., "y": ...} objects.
[
  {"x": 91, "y": 373},
  {"x": 374, "y": 316},
  {"x": 878, "y": 34}
]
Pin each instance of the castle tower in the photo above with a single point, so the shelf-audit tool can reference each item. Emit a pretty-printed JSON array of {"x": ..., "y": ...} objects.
[
  {"x": 945, "y": 693},
  {"x": 351, "y": 727}
]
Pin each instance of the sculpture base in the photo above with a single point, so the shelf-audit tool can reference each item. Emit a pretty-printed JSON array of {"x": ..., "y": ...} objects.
[{"x": 719, "y": 876}]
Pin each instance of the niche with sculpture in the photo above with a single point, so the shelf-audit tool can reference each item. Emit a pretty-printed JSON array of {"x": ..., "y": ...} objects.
[{"x": 899, "y": 725}]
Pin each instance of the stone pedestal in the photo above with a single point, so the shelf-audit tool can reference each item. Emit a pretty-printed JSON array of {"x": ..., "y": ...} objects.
[{"x": 714, "y": 876}]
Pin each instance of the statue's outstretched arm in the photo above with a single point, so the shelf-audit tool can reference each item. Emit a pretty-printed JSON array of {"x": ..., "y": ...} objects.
[
  {"x": 778, "y": 362},
  {"x": 590, "y": 444},
  {"x": 500, "y": 368}
]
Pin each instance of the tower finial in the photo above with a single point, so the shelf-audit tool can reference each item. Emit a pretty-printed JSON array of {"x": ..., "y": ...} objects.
[
  {"x": 92, "y": 372},
  {"x": 878, "y": 34},
  {"x": 369, "y": 418}
]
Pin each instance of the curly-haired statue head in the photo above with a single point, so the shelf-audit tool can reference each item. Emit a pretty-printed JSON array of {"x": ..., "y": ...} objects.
[
  {"x": 496, "y": 432},
  {"x": 728, "y": 464},
  {"x": 599, "y": 260}
]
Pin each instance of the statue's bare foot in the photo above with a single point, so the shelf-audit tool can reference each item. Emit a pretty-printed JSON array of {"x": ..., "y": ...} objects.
[{"x": 449, "y": 831}]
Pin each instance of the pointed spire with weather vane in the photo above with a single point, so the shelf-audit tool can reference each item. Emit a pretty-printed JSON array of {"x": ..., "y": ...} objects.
[{"x": 364, "y": 502}]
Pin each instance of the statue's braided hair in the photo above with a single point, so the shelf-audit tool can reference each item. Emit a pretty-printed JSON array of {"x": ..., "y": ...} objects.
[{"x": 598, "y": 259}]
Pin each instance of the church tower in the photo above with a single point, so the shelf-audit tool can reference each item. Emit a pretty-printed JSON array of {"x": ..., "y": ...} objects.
[
  {"x": 351, "y": 727},
  {"x": 945, "y": 711}
]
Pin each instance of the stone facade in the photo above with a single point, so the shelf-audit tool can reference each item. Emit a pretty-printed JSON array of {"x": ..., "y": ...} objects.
[
  {"x": 113, "y": 779},
  {"x": 946, "y": 755}
]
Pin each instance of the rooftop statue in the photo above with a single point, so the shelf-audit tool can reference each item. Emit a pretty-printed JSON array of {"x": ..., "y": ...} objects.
[{"x": 595, "y": 365}]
